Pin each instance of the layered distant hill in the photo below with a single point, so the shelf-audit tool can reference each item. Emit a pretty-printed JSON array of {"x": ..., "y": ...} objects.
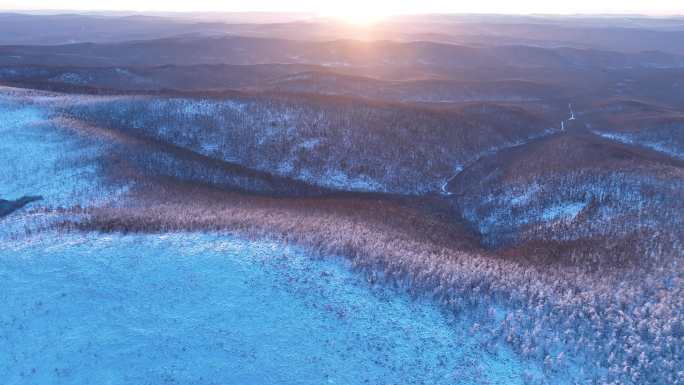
[
  {"x": 630, "y": 33},
  {"x": 437, "y": 57}
]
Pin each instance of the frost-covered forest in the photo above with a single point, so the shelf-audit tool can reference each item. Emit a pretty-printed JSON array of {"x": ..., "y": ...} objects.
[
  {"x": 428, "y": 208},
  {"x": 331, "y": 142}
]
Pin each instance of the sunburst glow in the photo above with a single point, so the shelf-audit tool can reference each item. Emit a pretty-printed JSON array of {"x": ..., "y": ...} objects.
[{"x": 357, "y": 12}]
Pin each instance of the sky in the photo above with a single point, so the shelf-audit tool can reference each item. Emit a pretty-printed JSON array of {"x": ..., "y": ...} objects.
[{"x": 362, "y": 8}]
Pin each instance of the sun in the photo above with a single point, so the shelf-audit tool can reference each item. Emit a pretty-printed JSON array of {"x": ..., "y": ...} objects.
[{"x": 356, "y": 12}]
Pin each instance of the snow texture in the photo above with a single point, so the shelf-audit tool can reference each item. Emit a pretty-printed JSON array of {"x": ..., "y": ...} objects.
[{"x": 207, "y": 309}]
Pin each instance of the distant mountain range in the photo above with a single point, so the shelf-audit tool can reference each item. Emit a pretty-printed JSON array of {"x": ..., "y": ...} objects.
[{"x": 630, "y": 33}]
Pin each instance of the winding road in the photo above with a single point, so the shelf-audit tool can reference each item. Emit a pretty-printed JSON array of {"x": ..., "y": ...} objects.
[{"x": 444, "y": 189}]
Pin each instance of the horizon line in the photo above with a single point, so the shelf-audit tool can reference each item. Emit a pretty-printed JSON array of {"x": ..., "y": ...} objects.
[{"x": 65, "y": 11}]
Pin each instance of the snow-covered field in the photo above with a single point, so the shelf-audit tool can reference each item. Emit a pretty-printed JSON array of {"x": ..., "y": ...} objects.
[
  {"x": 39, "y": 158},
  {"x": 212, "y": 309}
]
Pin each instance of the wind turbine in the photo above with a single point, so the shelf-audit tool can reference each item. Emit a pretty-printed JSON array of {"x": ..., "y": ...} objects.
[{"x": 572, "y": 113}]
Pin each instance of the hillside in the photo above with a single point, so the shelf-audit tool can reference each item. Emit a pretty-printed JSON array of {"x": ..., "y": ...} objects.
[
  {"x": 334, "y": 142},
  {"x": 574, "y": 186}
]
